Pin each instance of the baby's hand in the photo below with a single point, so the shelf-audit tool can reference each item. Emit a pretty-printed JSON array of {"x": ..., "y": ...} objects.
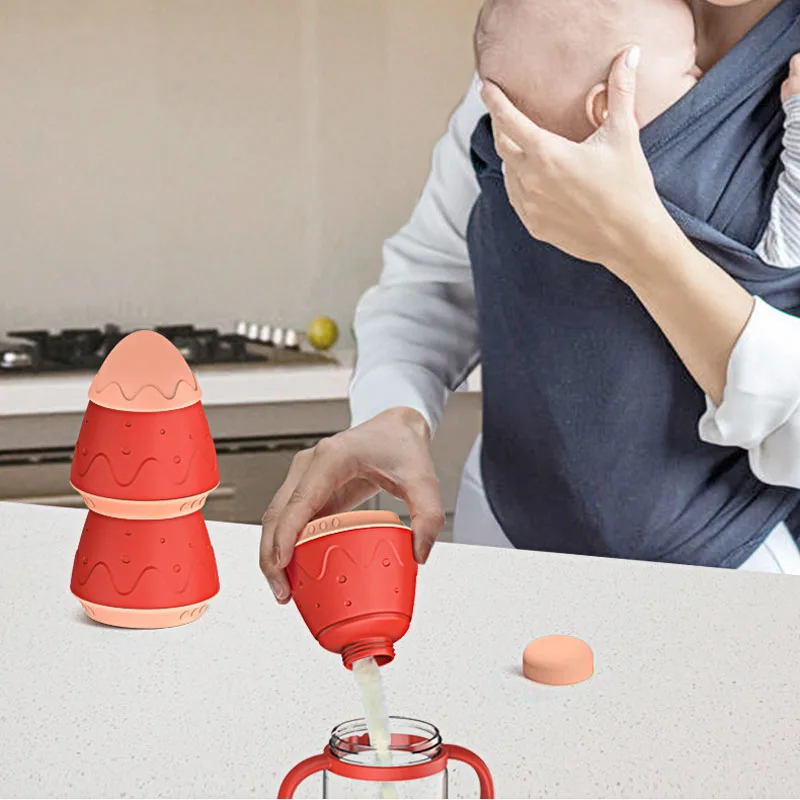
[{"x": 791, "y": 86}]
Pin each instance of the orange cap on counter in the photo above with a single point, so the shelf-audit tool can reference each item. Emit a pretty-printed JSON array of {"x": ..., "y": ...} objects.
[{"x": 558, "y": 661}]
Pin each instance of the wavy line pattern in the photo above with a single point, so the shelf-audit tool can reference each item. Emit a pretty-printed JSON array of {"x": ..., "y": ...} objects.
[
  {"x": 193, "y": 386},
  {"x": 138, "y": 580},
  {"x": 339, "y": 548},
  {"x": 324, "y": 568},
  {"x": 391, "y": 547},
  {"x": 151, "y": 459}
]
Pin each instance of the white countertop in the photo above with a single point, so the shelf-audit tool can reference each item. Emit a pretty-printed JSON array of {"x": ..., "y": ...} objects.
[
  {"x": 221, "y": 386},
  {"x": 695, "y": 692}
]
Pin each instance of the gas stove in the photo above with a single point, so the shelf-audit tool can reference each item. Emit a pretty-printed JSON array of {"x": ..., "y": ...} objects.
[{"x": 84, "y": 349}]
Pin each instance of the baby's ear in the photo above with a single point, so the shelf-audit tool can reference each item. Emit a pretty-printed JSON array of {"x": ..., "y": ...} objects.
[{"x": 597, "y": 105}]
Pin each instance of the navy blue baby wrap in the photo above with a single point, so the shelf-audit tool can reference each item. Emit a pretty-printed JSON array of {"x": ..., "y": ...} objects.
[{"x": 590, "y": 425}]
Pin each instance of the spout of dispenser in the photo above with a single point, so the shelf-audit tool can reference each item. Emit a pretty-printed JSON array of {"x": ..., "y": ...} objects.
[{"x": 381, "y": 648}]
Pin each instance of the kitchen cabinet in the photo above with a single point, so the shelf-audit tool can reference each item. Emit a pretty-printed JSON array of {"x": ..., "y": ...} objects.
[{"x": 255, "y": 446}]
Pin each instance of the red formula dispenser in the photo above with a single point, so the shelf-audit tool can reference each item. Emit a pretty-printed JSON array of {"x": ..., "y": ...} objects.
[
  {"x": 353, "y": 579},
  {"x": 418, "y": 768},
  {"x": 144, "y": 464}
]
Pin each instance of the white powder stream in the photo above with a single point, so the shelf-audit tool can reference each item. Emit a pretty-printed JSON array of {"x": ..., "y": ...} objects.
[{"x": 368, "y": 678}]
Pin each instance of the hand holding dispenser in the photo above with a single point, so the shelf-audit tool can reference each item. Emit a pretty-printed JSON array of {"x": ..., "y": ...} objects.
[{"x": 353, "y": 579}]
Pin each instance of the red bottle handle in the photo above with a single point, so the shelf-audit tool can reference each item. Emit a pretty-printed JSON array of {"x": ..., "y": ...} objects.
[
  {"x": 457, "y": 753},
  {"x": 305, "y": 769}
]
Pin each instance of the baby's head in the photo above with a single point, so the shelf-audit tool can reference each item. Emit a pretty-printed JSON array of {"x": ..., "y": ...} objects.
[{"x": 552, "y": 57}]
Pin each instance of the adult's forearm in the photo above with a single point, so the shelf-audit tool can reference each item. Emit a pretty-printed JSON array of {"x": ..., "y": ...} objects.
[{"x": 700, "y": 309}]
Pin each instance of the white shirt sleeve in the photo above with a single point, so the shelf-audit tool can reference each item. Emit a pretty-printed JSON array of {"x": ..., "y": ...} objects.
[
  {"x": 416, "y": 331},
  {"x": 760, "y": 411}
]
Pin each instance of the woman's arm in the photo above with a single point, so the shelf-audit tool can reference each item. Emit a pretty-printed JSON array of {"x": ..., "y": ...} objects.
[
  {"x": 561, "y": 192},
  {"x": 417, "y": 336},
  {"x": 417, "y": 329},
  {"x": 597, "y": 201},
  {"x": 700, "y": 309}
]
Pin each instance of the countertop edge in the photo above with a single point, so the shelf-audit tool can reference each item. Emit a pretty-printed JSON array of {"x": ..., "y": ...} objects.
[{"x": 36, "y": 395}]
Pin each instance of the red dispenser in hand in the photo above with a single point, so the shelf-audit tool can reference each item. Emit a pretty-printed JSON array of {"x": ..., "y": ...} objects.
[{"x": 353, "y": 579}]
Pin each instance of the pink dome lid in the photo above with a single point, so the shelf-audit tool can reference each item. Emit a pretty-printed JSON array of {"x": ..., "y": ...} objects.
[{"x": 145, "y": 372}]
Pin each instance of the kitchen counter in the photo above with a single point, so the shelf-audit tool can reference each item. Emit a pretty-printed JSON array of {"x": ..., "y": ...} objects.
[
  {"x": 695, "y": 692},
  {"x": 230, "y": 385}
]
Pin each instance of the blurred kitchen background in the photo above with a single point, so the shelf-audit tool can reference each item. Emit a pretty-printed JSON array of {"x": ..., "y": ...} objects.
[{"x": 204, "y": 162}]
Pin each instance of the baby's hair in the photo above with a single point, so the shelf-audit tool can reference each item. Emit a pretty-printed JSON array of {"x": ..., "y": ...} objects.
[
  {"x": 485, "y": 33},
  {"x": 489, "y": 29}
]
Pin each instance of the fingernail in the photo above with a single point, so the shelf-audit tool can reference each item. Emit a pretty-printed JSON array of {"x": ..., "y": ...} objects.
[
  {"x": 633, "y": 57},
  {"x": 278, "y": 589}
]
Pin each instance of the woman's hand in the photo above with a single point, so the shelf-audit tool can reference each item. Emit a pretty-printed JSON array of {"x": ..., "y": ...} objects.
[
  {"x": 593, "y": 200},
  {"x": 390, "y": 451},
  {"x": 597, "y": 201}
]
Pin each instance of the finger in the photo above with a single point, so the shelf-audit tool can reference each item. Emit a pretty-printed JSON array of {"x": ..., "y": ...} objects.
[
  {"x": 328, "y": 472},
  {"x": 278, "y": 581},
  {"x": 424, "y": 502},
  {"x": 510, "y": 121},
  {"x": 507, "y": 149},
  {"x": 622, "y": 90},
  {"x": 516, "y": 197}
]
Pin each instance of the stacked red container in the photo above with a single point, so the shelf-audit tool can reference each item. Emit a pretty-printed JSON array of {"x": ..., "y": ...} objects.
[{"x": 144, "y": 464}]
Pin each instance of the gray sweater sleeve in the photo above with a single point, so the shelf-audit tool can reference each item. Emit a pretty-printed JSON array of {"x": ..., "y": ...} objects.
[{"x": 416, "y": 331}]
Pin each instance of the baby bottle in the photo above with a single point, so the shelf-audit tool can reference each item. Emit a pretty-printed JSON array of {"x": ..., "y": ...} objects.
[{"x": 418, "y": 766}]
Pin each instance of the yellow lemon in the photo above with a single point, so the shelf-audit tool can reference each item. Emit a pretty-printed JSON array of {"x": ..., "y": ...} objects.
[{"x": 323, "y": 333}]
